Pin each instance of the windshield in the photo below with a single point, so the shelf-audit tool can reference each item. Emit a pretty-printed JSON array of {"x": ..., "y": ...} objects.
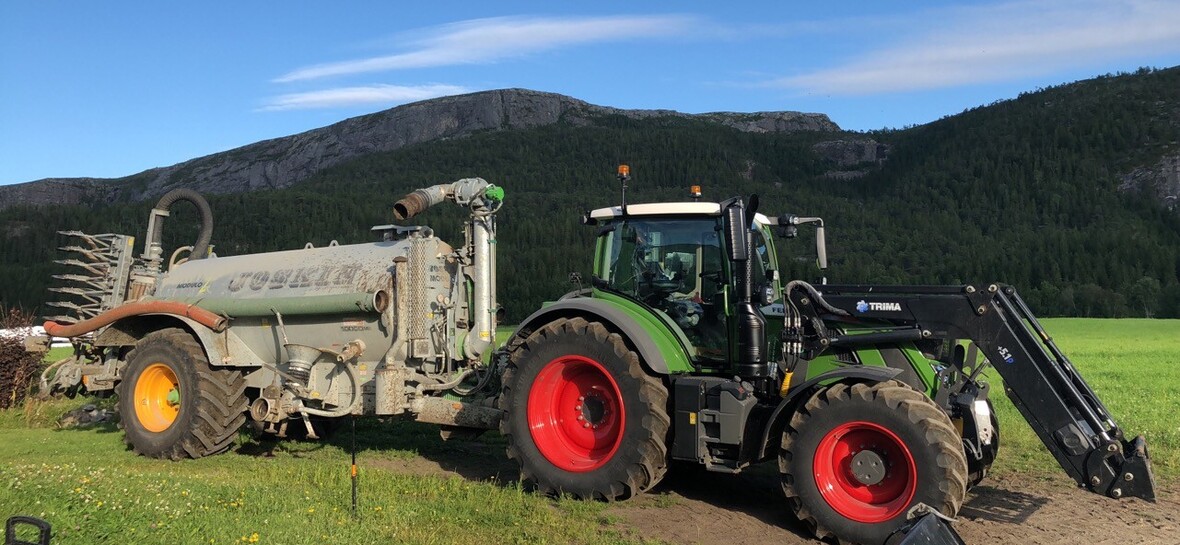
[
  {"x": 653, "y": 259},
  {"x": 675, "y": 266}
]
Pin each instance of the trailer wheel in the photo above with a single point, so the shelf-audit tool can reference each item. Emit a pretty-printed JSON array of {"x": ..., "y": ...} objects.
[
  {"x": 856, "y": 458},
  {"x": 173, "y": 404},
  {"x": 581, "y": 415}
]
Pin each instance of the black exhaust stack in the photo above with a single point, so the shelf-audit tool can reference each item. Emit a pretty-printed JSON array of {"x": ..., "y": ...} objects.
[{"x": 751, "y": 325}]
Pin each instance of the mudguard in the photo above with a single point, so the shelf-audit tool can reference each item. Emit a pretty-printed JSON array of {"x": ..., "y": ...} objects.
[{"x": 657, "y": 346}]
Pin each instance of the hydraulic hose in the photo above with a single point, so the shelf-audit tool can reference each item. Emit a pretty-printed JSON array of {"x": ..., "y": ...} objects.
[
  {"x": 201, "y": 247},
  {"x": 175, "y": 308},
  {"x": 448, "y": 385},
  {"x": 815, "y": 296}
]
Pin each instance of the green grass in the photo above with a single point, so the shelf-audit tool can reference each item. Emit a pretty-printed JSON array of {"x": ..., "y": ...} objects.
[
  {"x": 1134, "y": 365},
  {"x": 58, "y": 352},
  {"x": 93, "y": 490}
]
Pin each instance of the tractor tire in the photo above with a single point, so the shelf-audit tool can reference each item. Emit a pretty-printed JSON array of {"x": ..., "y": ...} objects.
[
  {"x": 173, "y": 404},
  {"x": 856, "y": 458},
  {"x": 582, "y": 416}
]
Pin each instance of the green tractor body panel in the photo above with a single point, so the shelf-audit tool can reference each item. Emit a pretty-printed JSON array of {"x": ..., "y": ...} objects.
[
  {"x": 671, "y": 341},
  {"x": 660, "y": 344},
  {"x": 916, "y": 369}
]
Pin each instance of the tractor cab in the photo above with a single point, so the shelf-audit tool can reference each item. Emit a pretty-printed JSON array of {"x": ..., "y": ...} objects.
[{"x": 675, "y": 258}]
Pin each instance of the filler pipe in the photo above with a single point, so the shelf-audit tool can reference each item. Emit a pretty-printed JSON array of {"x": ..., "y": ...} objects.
[{"x": 484, "y": 199}]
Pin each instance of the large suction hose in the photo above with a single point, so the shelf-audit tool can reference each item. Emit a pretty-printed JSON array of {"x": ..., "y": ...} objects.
[{"x": 201, "y": 247}]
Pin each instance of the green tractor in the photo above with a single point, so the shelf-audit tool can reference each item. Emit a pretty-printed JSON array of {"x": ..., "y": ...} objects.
[{"x": 688, "y": 346}]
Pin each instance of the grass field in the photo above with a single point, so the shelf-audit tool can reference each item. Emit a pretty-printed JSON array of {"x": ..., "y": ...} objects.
[{"x": 94, "y": 491}]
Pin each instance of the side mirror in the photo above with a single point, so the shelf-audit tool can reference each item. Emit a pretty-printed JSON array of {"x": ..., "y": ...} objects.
[
  {"x": 787, "y": 223},
  {"x": 821, "y": 247}
]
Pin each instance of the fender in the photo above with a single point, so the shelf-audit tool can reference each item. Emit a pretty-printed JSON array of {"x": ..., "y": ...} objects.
[
  {"x": 223, "y": 349},
  {"x": 781, "y": 412},
  {"x": 657, "y": 347}
]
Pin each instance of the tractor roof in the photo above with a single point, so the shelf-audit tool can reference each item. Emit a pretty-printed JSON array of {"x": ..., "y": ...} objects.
[{"x": 668, "y": 209}]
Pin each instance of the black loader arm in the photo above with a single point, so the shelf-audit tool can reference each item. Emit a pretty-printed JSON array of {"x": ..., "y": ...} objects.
[{"x": 1043, "y": 384}]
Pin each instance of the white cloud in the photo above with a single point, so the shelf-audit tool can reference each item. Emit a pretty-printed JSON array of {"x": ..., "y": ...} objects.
[
  {"x": 489, "y": 40},
  {"x": 359, "y": 96},
  {"x": 981, "y": 44}
]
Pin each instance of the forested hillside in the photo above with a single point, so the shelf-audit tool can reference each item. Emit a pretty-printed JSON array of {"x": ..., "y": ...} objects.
[{"x": 1022, "y": 191}]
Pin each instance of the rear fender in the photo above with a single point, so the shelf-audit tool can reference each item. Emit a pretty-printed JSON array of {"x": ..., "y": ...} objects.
[
  {"x": 658, "y": 348},
  {"x": 223, "y": 349}
]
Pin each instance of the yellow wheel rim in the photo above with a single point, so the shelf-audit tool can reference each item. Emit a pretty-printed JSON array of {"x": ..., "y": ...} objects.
[{"x": 157, "y": 397}]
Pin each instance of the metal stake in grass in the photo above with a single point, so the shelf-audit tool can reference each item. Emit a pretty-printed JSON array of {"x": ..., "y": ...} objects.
[{"x": 354, "y": 476}]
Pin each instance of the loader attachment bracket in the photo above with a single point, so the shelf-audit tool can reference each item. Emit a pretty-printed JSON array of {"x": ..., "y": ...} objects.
[{"x": 1122, "y": 468}]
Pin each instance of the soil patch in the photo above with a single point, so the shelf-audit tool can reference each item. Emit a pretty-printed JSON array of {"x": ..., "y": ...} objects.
[
  {"x": 697, "y": 507},
  {"x": 694, "y": 506}
]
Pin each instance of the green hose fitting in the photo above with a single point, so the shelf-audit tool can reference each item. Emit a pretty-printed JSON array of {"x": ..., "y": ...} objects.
[{"x": 494, "y": 193}]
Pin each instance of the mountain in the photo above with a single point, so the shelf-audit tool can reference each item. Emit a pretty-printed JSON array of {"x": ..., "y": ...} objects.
[
  {"x": 1062, "y": 192},
  {"x": 284, "y": 162}
]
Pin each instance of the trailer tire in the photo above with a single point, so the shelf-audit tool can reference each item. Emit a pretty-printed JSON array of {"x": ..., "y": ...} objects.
[
  {"x": 173, "y": 404},
  {"x": 902, "y": 444},
  {"x": 581, "y": 414}
]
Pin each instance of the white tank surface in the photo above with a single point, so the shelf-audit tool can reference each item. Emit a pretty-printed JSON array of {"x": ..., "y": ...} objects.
[{"x": 330, "y": 270}]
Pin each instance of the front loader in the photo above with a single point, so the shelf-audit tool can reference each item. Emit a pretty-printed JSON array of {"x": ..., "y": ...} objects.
[{"x": 686, "y": 346}]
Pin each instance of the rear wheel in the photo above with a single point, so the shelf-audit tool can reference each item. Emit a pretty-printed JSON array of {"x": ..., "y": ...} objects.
[
  {"x": 582, "y": 417},
  {"x": 173, "y": 404},
  {"x": 855, "y": 459}
]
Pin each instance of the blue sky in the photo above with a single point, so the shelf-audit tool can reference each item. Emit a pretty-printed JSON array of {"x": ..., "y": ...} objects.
[{"x": 108, "y": 89}]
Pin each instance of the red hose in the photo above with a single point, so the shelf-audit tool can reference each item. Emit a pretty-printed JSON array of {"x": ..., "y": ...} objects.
[{"x": 175, "y": 308}]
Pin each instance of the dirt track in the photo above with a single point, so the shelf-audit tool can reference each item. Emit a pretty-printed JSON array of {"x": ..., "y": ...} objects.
[
  {"x": 693, "y": 506},
  {"x": 707, "y": 508}
]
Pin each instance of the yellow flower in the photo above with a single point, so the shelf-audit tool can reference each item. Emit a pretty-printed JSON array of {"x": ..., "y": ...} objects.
[{"x": 311, "y": 509}]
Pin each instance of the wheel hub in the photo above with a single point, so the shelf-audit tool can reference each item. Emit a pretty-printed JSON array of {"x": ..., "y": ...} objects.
[
  {"x": 865, "y": 472},
  {"x": 868, "y": 467},
  {"x": 575, "y": 414},
  {"x": 591, "y": 410},
  {"x": 157, "y": 397}
]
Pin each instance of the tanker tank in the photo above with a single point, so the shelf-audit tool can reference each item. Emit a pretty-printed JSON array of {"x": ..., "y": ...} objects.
[{"x": 352, "y": 284}]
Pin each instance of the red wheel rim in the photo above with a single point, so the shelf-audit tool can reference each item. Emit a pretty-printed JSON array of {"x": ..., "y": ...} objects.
[
  {"x": 575, "y": 414},
  {"x": 852, "y": 497}
]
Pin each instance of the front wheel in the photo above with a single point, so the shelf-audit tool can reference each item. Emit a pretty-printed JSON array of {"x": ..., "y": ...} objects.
[
  {"x": 581, "y": 415},
  {"x": 856, "y": 458},
  {"x": 173, "y": 404}
]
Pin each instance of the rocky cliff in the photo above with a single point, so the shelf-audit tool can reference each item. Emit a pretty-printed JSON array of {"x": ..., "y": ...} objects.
[
  {"x": 1161, "y": 180},
  {"x": 283, "y": 162}
]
